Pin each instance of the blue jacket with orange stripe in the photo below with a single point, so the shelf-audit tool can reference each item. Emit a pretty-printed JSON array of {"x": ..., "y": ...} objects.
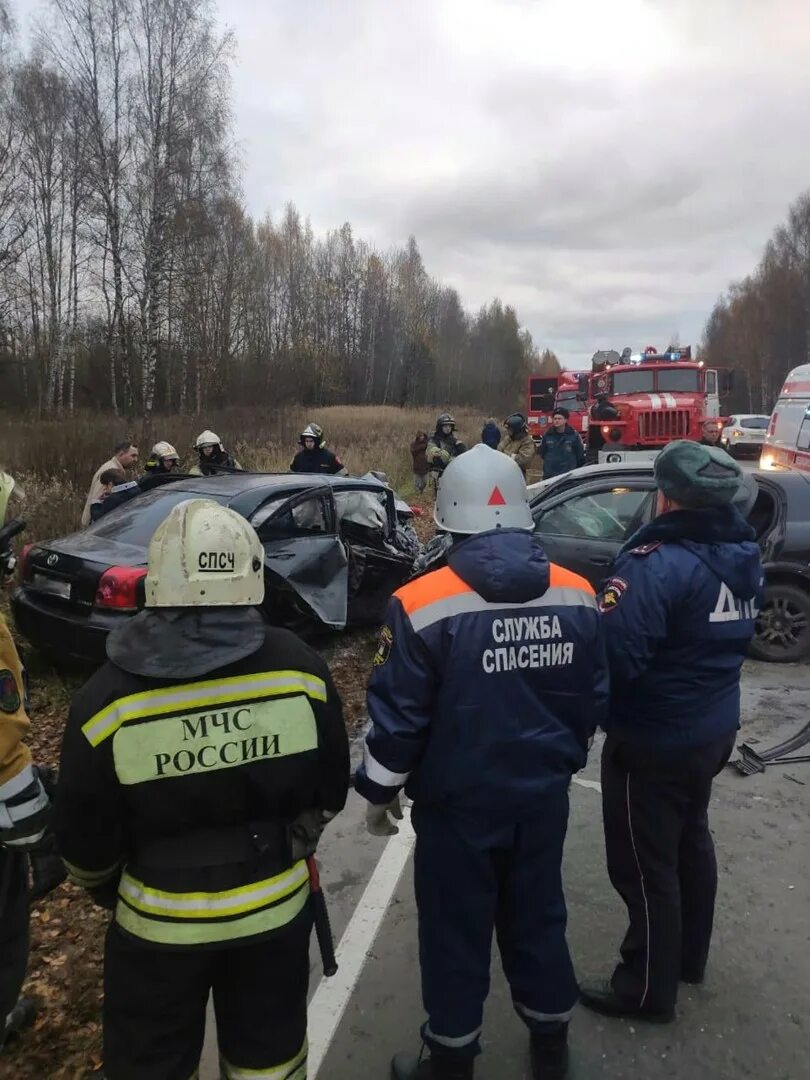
[{"x": 489, "y": 679}]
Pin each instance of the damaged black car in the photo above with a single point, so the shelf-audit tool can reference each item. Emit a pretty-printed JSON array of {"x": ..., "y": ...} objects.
[{"x": 335, "y": 548}]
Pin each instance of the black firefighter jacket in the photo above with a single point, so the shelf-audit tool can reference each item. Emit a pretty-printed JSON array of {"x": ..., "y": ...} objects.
[{"x": 183, "y": 792}]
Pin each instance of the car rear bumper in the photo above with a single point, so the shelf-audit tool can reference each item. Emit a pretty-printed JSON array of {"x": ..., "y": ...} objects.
[
  {"x": 63, "y": 633},
  {"x": 745, "y": 449}
]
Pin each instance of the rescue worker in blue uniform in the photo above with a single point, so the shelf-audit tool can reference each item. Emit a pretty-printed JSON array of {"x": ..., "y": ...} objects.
[
  {"x": 679, "y": 614},
  {"x": 489, "y": 679},
  {"x": 199, "y": 766}
]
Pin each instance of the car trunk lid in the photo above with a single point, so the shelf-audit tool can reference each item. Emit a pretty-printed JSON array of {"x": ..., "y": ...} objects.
[{"x": 68, "y": 571}]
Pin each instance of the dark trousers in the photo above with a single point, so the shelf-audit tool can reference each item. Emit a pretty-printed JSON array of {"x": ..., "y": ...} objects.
[
  {"x": 473, "y": 875},
  {"x": 660, "y": 858},
  {"x": 14, "y": 930},
  {"x": 155, "y": 1002}
]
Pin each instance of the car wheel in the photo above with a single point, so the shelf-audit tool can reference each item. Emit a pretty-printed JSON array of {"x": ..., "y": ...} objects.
[{"x": 783, "y": 626}]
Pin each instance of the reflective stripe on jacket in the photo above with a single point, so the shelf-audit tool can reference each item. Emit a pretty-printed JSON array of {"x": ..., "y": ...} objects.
[
  {"x": 24, "y": 806},
  {"x": 489, "y": 679},
  {"x": 185, "y": 792}
]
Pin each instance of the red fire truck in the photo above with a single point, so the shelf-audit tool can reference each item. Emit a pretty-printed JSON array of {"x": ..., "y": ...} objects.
[
  {"x": 659, "y": 397},
  {"x": 546, "y": 393}
]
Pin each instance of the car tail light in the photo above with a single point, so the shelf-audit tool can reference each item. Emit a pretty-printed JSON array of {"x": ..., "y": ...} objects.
[
  {"x": 23, "y": 563},
  {"x": 118, "y": 588}
]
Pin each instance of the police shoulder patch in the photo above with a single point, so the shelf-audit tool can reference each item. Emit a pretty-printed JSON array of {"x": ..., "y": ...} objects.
[
  {"x": 10, "y": 700},
  {"x": 645, "y": 549},
  {"x": 384, "y": 645},
  {"x": 611, "y": 594}
]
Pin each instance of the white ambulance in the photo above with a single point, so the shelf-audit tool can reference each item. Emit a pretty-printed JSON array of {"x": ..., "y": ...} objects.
[{"x": 787, "y": 443}]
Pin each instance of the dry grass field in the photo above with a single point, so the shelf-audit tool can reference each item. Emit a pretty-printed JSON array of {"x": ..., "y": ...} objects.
[{"x": 53, "y": 462}]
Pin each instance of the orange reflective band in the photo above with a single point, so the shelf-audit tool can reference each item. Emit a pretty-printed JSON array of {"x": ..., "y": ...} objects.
[
  {"x": 567, "y": 579},
  {"x": 439, "y": 585}
]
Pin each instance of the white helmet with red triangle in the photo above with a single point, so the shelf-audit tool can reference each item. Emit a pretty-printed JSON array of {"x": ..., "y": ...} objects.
[{"x": 482, "y": 489}]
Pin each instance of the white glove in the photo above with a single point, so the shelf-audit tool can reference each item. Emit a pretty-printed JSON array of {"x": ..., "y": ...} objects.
[{"x": 378, "y": 822}]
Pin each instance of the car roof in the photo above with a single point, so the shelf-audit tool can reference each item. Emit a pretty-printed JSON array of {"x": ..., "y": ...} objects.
[
  {"x": 231, "y": 484},
  {"x": 588, "y": 472}
]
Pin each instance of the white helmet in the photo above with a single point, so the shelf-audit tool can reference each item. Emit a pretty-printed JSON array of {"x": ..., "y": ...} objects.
[
  {"x": 482, "y": 489},
  {"x": 164, "y": 450},
  {"x": 208, "y": 438},
  {"x": 204, "y": 555}
]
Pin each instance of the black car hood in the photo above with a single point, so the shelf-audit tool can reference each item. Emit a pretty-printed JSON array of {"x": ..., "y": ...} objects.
[{"x": 180, "y": 643}]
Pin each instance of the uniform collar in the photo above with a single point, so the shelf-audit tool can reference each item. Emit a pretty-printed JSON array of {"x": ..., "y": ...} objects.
[{"x": 170, "y": 643}]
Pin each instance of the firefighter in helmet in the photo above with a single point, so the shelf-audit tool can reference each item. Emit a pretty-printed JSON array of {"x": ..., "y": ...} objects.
[
  {"x": 213, "y": 457},
  {"x": 314, "y": 457},
  {"x": 199, "y": 766},
  {"x": 443, "y": 446},
  {"x": 163, "y": 460},
  {"x": 518, "y": 443}
]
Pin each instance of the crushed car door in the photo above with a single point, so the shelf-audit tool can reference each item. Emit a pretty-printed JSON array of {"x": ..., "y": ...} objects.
[
  {"x": 303, "y": 549},
  {"x": 377, "y": 567},
  {"x": 584, "y": 528}
]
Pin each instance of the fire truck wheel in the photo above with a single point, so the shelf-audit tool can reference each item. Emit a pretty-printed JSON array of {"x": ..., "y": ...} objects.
[{"x": 783, "y": 626}]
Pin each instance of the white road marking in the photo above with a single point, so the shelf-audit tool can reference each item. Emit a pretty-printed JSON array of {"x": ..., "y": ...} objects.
[
  {"x": 333, "y": 995},
  {"x": 587, "y": 783}
]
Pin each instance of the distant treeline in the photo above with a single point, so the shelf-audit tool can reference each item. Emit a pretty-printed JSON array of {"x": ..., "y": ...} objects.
[
  {"x": 132, "y": 277},
  {"x": 761, "y": 325}
]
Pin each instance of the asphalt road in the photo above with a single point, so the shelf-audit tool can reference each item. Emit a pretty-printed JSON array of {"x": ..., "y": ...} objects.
[{"x": 750, "y": 1019}]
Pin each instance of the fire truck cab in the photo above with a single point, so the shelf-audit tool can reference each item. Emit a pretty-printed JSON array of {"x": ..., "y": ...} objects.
[
  {"x": 547, "y": 393},
  {"x": 659, "y": 397}
]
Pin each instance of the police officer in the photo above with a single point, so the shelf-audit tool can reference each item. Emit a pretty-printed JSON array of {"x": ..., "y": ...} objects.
[
  {"x": 24, "y": 811},
  {"x": 198, "y": 767},
  {"x": 488, "y": 681},
  {"x": 314, "y": 457},
  {"x": 679, "y": 614}
]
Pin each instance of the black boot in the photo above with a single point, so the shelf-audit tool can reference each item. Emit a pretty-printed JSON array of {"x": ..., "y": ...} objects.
[
  {"x": 550, "y": 1054},
  {"x": 411, "y": 1067},
  {"x": 603, "y": 999},
  {"x": 21, "y": 1016}
]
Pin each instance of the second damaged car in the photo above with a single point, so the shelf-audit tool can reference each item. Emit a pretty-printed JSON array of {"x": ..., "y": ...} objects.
[{"x": 332, "y": 546}]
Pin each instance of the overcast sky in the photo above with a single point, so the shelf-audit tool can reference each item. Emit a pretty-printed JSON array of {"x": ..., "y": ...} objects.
[{"x": 607, "y": 166}]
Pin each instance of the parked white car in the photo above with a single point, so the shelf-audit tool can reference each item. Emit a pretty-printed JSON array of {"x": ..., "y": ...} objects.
[{"x": 744, "y": 434}]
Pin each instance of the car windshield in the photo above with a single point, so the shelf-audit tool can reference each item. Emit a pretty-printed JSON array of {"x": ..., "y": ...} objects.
[
  {"x": 633, "y": 382},
  {"x": 758, "y": 423},
  {"x": 674, "y": 379},
  {"x": 136, "y": 521}
]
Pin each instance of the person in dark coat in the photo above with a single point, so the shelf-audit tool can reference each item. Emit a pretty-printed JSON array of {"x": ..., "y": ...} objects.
[
  {"x": 420, "y": 462},
  {"x": 679, "y": 614},
  {"x": 313, "y": 457},
  {"x": 561, "y": 448},
  {"x": 498, "y": 632},
  {"x": 491, "y": 434}
]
